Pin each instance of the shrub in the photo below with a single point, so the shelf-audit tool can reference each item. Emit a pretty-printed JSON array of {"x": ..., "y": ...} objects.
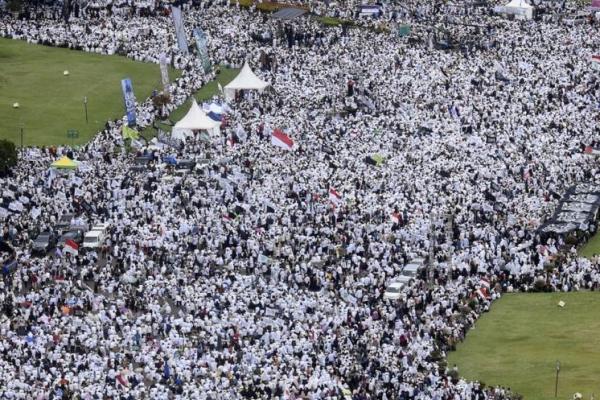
[
  {"x": 14, "y": 5},
  {"x": 161, "y": 100},
  {"x": 539, "y": 285},
  {"x": 8, "y": 155}
]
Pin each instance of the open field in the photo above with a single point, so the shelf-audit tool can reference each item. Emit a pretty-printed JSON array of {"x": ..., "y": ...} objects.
[
  {"x": 519, "y": 341},
  {"x": 51, "y": 103}
]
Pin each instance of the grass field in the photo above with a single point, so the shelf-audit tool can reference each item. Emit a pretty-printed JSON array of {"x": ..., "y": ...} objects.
[
  {"x": 205, "y": 93},
  {"x": 591, "y": 247},
  {"x": 519, "y": 341},
  {"x": 51, "y": 103}
]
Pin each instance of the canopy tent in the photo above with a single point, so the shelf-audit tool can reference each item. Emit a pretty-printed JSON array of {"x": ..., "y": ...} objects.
[
  {"x": 65, "y": 163},
  {"x": 518, "y": 8},
  {"x": 246, "y": 79},
  {"x": 194, "y": 120}
]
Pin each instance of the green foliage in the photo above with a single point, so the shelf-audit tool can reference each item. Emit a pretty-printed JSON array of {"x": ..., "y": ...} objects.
[
  {"x": 265, "y": 6},
  {"x": 8, "y": 155},
  {"x": 14, "y": 5},
  {"x": 332, "y": 21}
]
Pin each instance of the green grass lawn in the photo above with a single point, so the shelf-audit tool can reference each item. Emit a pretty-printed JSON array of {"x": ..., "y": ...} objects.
[
  {"x": 51, "y": 103},
  {"x": 205, "y": 93},
  {"x": 591, "y": 247},
  {"x": 519, "y": 341}
]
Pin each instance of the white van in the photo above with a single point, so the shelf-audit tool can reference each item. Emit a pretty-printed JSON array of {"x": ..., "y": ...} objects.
[{"x": 95, "y": 237}]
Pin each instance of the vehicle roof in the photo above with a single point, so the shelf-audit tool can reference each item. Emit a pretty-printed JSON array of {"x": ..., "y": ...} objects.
[
  {"x": 99, "y": 227},
  {"x": 395, "y": 284},
  {"x": 93, "y": 234},
  {"x": 411, "y": 267}
]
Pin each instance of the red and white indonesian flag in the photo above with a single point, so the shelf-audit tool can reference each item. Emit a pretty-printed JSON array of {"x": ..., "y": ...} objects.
[
  {"x": 485, "y": 283},
  {"x": 596, "y": 61},
  {"x": 71, "y": 247},
  {"x": 335, "y": 197},
  {"x": 280, "y": 139}
]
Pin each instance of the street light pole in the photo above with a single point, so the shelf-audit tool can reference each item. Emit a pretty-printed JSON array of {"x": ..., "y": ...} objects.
[
  {"x": 21, "y": 137},
  {"x": 556, "y": 383},
  {"x": 85, "y": 106}
]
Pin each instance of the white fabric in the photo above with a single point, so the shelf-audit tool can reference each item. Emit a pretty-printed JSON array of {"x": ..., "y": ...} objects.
[
  {"x": 196, "y": 119},
  {"x": 246, "y": 79},
  {"x": 518, "y": 7}
]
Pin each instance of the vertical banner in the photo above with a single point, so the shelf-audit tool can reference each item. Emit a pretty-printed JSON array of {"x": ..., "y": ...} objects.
[
  {"x": 202, "y": 48},
  {"x": 179, "y": 30},
  {"x": 164, "y": 72},
  {"x": 129, "y": 98}
]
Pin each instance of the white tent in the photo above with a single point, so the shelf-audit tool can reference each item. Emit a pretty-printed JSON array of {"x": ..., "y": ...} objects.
[
  {"x": 246, "y": 79},
  {"x": 194, "y": 120},
  {"x": 518, "y": 8}
]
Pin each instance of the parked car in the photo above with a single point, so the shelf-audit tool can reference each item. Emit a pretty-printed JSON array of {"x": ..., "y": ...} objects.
[
  {"x": 407, "y": 276},
  {"x": 185, "y": 164},
  {"x": 94, "y": 239},
  {"x": 64, "y": 222},
  {"x": 393, "y": 291},
  {"x": 45, "y": 242},
  {"x": 141, "y": 163},
  {"x": 74, "y": 235}
]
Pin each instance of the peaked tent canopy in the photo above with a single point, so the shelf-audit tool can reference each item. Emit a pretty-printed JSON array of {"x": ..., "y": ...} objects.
[
  {"x": 65, "y": 163},
  {"x": 246, "y": 79},
  {"x": 196, "y": 119},
  {"x": 519, "y": 7}
]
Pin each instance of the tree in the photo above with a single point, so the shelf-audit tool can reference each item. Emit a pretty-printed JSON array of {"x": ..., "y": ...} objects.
[
  {"x": 14, "y": 5},
  {"x": 8, "y": 155}
]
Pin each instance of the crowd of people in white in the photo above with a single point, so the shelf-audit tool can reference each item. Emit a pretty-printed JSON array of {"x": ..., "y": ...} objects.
[{"x": 241, "y": 279}]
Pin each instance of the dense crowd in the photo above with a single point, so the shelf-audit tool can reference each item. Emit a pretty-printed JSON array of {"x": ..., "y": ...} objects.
[{"x": 241, "y": 279}]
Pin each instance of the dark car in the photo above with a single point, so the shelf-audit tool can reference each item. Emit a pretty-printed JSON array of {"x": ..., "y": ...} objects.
[
  {"x": 141, "y": 163},
  {"x": 44, "y": 243},
  {"x": 64, "y": 222},
  {"x": 185, "y": 164},
  {"x": 74, "y": 235}
]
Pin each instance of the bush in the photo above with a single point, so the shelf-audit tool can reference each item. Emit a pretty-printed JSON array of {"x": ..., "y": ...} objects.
[
  {"x": 161, "y": 100},
  {"x": 8, "y": 155},
  {"x": 539, "y": 285},
  {"x": 14, "y": 5}
]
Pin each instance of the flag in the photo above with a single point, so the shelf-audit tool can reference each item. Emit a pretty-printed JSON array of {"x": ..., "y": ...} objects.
[
  {"x": 130, "y": 133},
  {"x": 454, "y": 112},
  {"x": 485, "y": 283},
  {"x": 483, "y": 293},
  {"x": 375, "y": 159},
  {"x": 121, "y": 379},
  {"x": 179, "y": 30},
  {"x": 129, "y": 98},
  {"x": 164, "y": 72},
  {"x": 71, "y": 247},
  {"x": 596, "y": 61},
  {"x": 335, "y": 197},
  {"x": 280, "y": 139}
]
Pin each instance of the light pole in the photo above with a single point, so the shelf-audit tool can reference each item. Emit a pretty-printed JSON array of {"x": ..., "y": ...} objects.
[
  {"x": 21, "y": 127},
  {"x": 556, "y": 383},
  {"x": 85, "y": 106}
]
